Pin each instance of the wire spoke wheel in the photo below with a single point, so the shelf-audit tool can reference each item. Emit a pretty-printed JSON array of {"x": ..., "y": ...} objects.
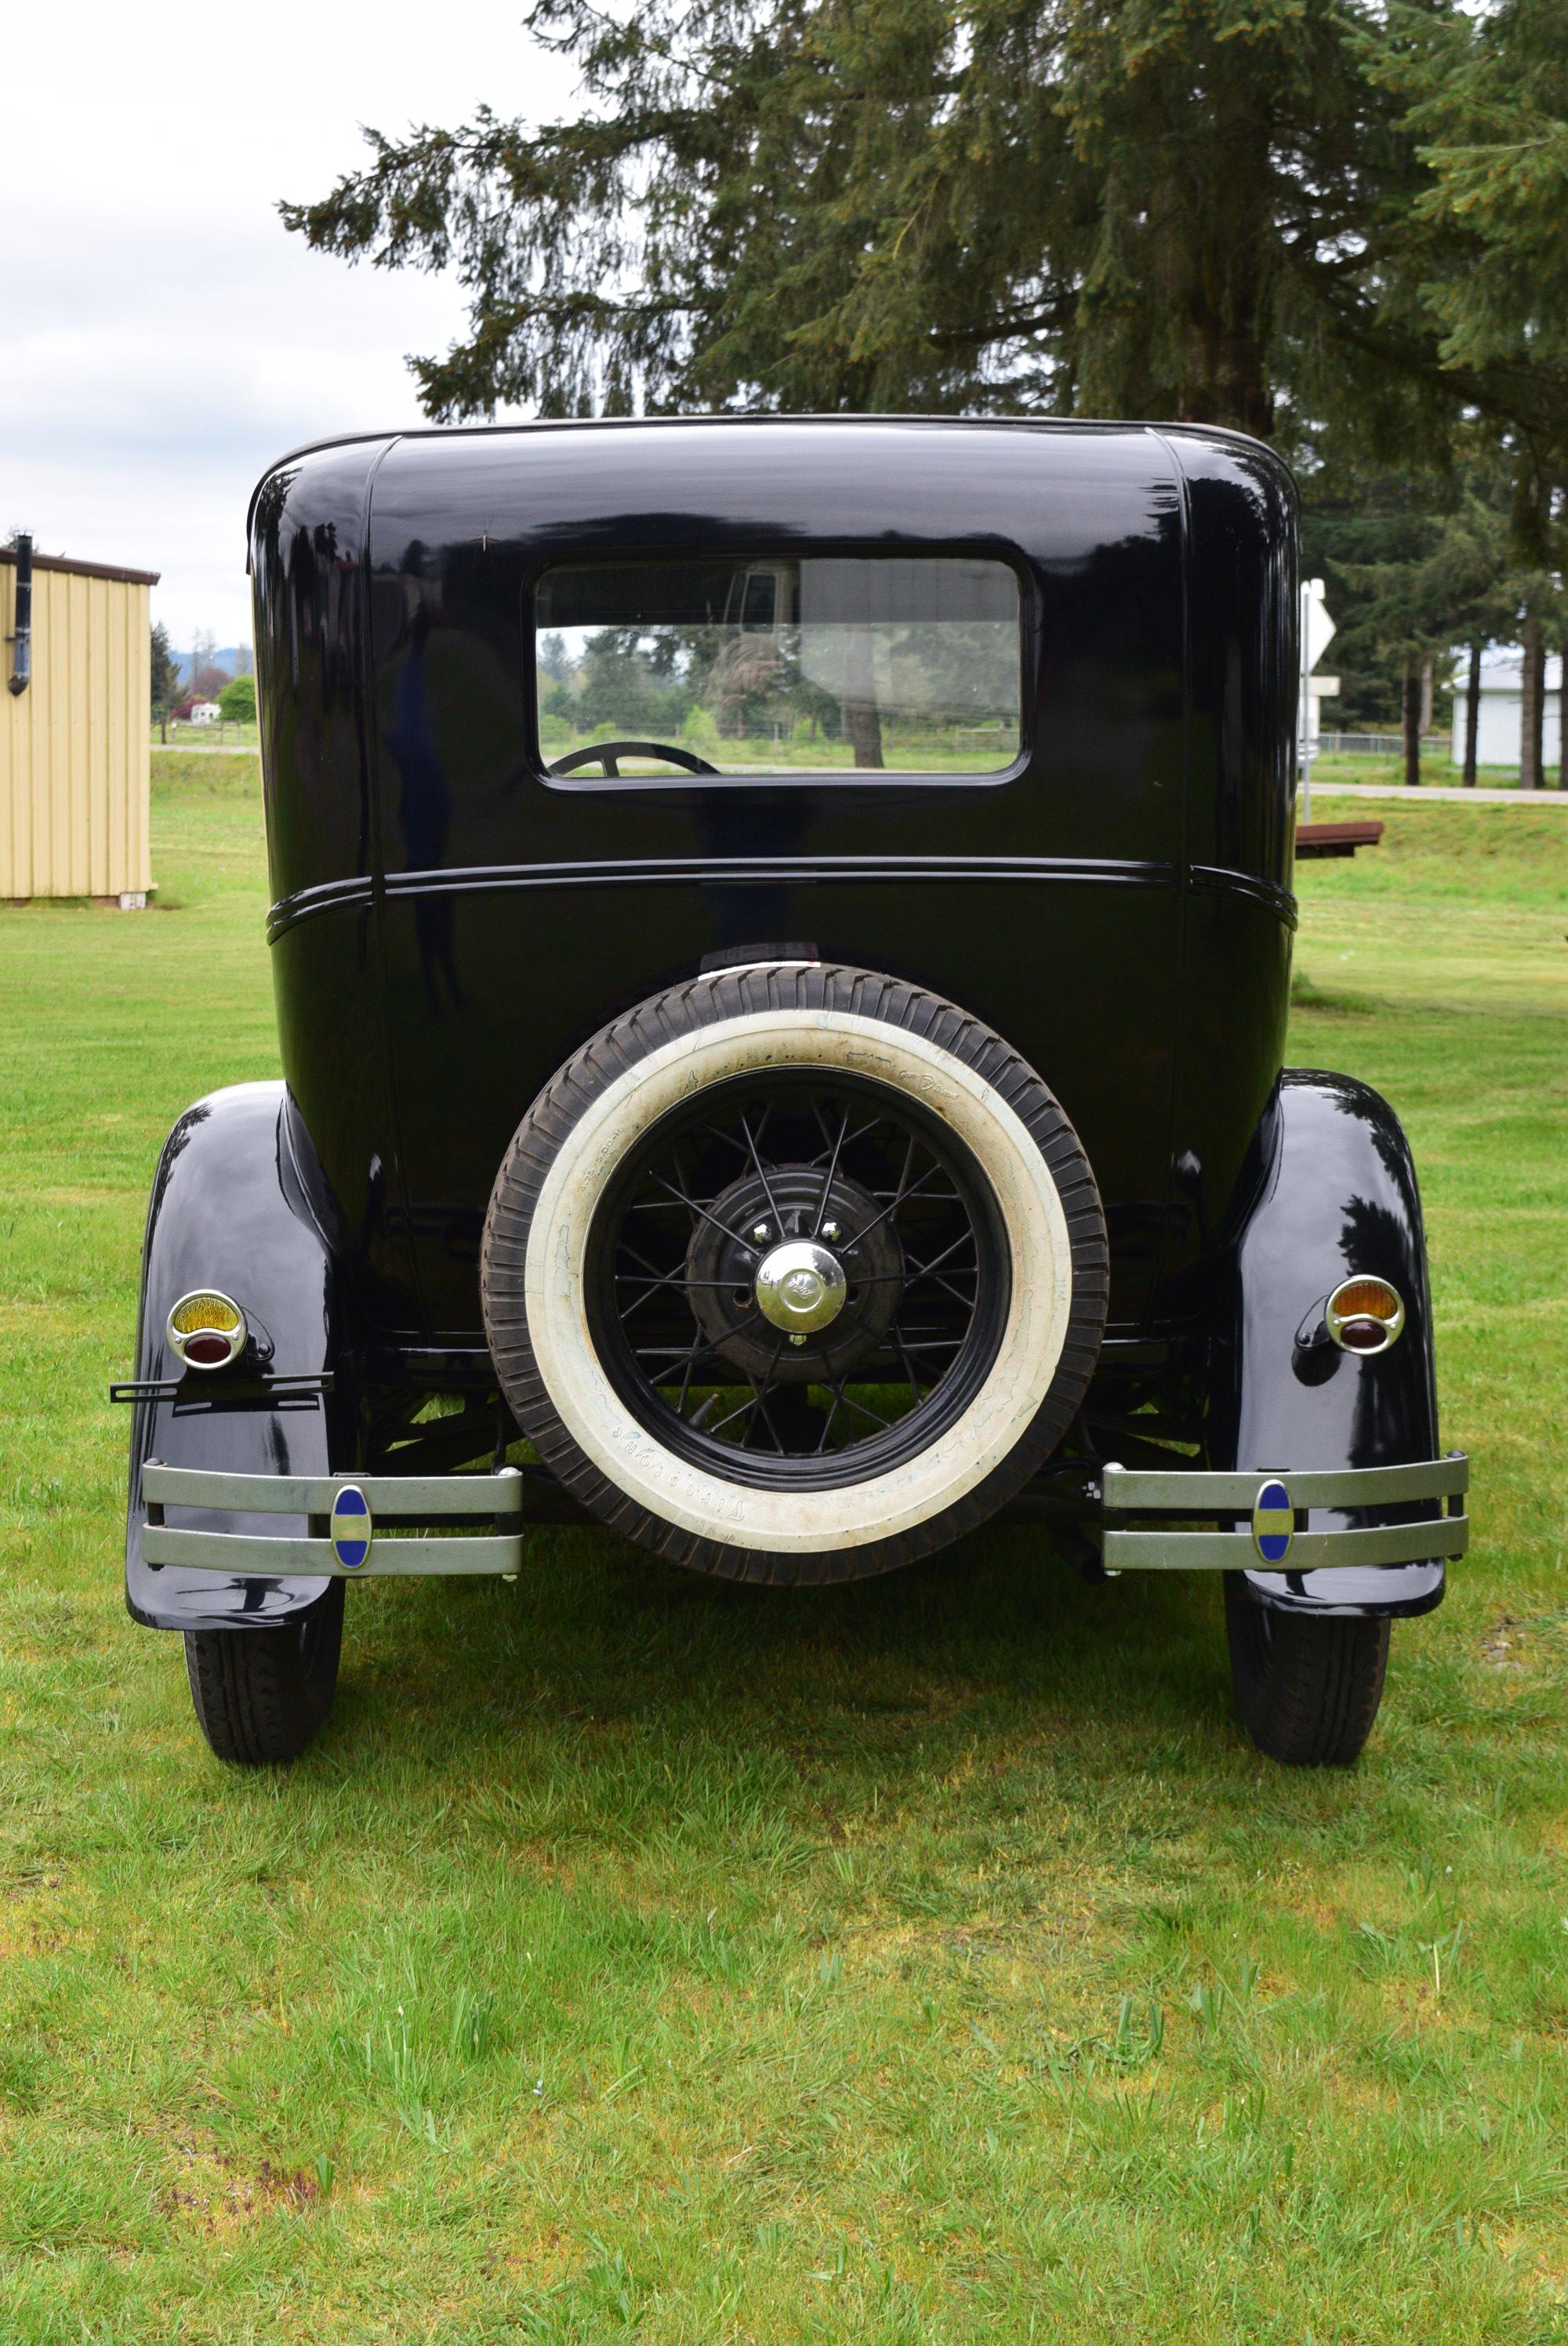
[
  {"x": 795, "y": 1273},
  {"x": 798, "y": 1276}
]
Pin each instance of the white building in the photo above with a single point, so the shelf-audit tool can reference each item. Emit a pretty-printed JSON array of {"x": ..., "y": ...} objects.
[
  {"x": 205, "y": 712},
  {"x": 1498, "y": 733}
]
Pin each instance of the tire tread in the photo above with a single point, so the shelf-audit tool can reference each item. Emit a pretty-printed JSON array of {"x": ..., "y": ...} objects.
[
  {"x": 1307, "y": 1687},
  {"x": 260, "y": 1695}
]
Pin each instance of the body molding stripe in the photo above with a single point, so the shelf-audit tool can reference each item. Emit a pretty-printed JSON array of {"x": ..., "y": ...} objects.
[
  {"x": 1216, "y": 879},
  {"x": 731, "y": 872}
]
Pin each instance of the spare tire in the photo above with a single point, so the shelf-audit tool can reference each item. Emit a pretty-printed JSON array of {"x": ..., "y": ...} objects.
[{"x": 795, "y": 1273}]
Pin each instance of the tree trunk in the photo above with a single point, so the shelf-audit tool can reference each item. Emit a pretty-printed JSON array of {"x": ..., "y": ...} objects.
[
  {"x": 1213, "y": 278},
  {"x": 1429, "y": 686},
  {"x": 1472, "y": 716},
  {"x": 864, "y": 724},
  {"x": 862, "y": 719},
  {"x": 1531, "y": 703},
  {"x": 1410, "y": 725},
  {"x": 1562, "y": 718},
  {"x": 1230, "y": 387}
]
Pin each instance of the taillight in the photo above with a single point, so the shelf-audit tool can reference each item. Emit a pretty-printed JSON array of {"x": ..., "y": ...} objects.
[
  {"x": 207, "y": 1330},
  {"x": 1364, "y": 1315}
]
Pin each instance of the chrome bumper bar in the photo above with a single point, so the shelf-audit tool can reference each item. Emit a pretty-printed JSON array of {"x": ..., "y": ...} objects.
[
  {"x": 1268, "y": 1498},
  {"x": 335, "y": 1534},
  {"x": 1125, "y": 1493}
]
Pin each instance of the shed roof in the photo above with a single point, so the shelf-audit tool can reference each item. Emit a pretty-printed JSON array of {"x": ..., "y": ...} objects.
[
  {"x": 1502, "y": 670},
  {"x": 1501, "y": 664},
  {"x": 85, "y": 569}
]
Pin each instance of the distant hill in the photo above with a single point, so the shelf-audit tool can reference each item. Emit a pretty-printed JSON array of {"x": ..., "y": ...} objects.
[{"x": 228, "y": 658}]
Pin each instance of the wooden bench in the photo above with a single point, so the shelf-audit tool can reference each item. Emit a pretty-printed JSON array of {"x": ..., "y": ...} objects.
[{"x": 1336, "y": 838}]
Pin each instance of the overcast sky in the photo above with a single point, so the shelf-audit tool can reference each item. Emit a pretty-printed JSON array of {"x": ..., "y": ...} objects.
[{"x": 161, "y": 338}]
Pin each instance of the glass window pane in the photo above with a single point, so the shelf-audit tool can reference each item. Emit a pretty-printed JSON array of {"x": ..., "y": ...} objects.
[{"x": 902, "y": 665}]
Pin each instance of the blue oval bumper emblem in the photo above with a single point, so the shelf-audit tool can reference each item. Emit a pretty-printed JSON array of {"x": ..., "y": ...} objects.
[
  {"x": 352, "y": 1527},
  {"x": 1273, "y": 1521}
]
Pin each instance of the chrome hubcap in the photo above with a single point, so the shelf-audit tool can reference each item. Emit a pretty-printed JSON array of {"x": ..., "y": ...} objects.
[{"x": 801, "y": 1287}]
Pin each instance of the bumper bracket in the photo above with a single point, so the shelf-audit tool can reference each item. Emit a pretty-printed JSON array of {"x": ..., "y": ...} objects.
[
  {"x": 1260, "y": 1520},
  {"x": 411, "y": 1550}
]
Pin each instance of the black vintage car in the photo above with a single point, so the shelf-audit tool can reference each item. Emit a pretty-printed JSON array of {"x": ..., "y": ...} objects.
[{"x": 782, "y": 938}]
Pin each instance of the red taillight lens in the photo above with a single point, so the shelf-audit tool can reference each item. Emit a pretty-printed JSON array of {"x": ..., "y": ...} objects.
[
  {"x": 1364, "y": 1315},
  {"x": 206, "y": 1350}
]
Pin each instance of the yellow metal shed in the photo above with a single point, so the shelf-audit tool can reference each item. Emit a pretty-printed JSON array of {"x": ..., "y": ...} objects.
[{"x": 75, "y": 743}]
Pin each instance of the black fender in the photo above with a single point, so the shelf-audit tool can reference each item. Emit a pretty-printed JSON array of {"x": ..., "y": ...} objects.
[
  {"x": 1334, "y": 1192},
  {"x": 238, "y": 1203}
]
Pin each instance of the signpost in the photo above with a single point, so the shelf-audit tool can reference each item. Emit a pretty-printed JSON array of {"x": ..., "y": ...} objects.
[{"x": 1318, "y": 631}]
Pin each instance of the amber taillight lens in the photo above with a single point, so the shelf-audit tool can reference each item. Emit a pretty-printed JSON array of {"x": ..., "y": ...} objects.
[
  {"x": 207, "y": 1330},
  {"x": 1365, "y": 1315}
]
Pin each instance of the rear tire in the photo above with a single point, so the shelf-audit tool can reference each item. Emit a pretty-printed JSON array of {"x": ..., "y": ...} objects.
[
  {"x": 1306, "y": 1686},
  {"x": 261, "y": 1695}
]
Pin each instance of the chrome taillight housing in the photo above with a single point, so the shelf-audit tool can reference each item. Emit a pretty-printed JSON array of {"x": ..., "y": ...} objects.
[
  {"x": 207, "y": 1330},
  {"x": 1364, "y": 1316}
]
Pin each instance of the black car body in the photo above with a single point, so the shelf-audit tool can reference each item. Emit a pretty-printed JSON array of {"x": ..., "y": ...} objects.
[{"x": 1012, "y": 711}]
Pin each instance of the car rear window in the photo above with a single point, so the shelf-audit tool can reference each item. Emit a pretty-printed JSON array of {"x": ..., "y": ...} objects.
[{"x": 820, "y": 664}]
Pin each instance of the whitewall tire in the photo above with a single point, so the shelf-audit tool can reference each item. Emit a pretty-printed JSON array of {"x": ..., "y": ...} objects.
[{"x": 808, "y": 1139}]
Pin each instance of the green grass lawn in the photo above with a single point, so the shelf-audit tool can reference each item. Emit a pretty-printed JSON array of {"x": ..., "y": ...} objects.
[
  {"x": 231, "y": 733},
  {"x": 1438, "y": 768},
  {"x": 955, "y": 750},
  {"x": 642, "y": 1958}
]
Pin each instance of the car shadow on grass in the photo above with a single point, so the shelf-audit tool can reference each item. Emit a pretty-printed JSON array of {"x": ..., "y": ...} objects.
[{"x": 994, "y": 1645}]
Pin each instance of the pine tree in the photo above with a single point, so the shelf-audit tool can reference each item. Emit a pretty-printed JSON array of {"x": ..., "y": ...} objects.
[
  {"x": 1416, "y": 565},
  {"x": 165, "y": 678},
  {"x": 1488, "y": 100},
  {"x": 1173, "y": 208},
  {"x": 1277, "y": 215}
]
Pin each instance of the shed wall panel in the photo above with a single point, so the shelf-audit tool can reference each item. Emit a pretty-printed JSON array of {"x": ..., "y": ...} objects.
[{"x": 75, "y": 748}]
